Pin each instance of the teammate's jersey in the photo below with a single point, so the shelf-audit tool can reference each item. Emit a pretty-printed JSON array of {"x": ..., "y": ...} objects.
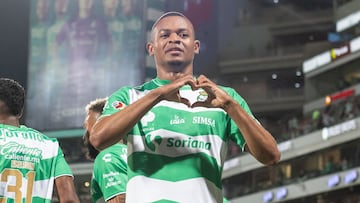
[
  {"x": 176, "y": 153},
  {"x": 110, "y": 173},
  {"x": 29, "y": 164}
]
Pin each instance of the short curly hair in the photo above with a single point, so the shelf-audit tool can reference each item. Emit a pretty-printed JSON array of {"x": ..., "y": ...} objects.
[
  {"x": 13, "y": 96},
  {"x": 97, "y": 106}
]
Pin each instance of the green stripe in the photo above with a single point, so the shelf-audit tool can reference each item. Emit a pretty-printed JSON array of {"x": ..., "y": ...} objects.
[
  {"x": 38, "y": 199},
  {"x": 174, "y": 168},
  {"x": 34, "y": 200},
  {"x": 43, "y": 169},
  {"x": 164, "y": 201},
  {"x": 167, "y": 118}
]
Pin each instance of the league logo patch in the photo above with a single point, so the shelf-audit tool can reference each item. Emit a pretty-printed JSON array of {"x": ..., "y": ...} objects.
[{"x": 118, "y": 105}]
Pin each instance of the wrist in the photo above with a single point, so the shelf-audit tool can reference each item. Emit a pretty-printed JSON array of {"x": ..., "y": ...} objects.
[
  {"x": 157, "y": 94},
  {"x": 227, "y": 105}
]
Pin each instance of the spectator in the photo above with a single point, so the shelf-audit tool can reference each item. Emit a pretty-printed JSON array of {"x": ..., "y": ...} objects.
[
  {"x": 326, "y": 117},
  {"x": 329, "y": 166},
  {"x": 293, "y": 127}
]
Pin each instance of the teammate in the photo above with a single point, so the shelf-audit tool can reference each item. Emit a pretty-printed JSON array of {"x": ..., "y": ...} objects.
[
  {"x": 110, "y": 168},
  {"x": 30, "y": 162},
  {"x": 178, "y": 125}
]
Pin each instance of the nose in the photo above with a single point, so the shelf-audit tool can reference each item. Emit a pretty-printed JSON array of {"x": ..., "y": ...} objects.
[{"x": 174, "y": 38}]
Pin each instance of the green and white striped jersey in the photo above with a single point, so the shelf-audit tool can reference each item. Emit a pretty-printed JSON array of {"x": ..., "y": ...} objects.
[
  {"x": 176, "y": 153},
  {"x": 110, "y": 173},
  {"x": 29, "y": 164}
]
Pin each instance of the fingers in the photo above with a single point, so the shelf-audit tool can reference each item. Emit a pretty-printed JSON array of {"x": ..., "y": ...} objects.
[
  {"x": 200, "y": 104},
  {"x": 185, "y": 101},
  {"x": 202, "y": 79},
  {"x": 171, "y": 91}
]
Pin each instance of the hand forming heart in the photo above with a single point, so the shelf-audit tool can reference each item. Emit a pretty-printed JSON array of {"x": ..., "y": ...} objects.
[{"x": 216, "y": 97}]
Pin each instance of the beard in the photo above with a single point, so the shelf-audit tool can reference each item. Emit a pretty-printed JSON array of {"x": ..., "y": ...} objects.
[
  {"x": 175, "y": 63},
  {"x": 177, "y": 66}
]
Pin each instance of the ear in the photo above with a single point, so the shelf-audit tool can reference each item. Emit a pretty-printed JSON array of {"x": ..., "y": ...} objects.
[
  {"x": 150, "y": 48},
  {"x": 20, "y": 114},
  {"x": 196, "y": 46}
]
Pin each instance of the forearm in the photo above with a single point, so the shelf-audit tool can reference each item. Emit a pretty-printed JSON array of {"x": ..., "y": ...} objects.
[
  {"x": 117, "y": 199},
  {"x": 259, "y": 141},
  {"x": 110, "y": 129},
  {"x": 66, "y": 190}
]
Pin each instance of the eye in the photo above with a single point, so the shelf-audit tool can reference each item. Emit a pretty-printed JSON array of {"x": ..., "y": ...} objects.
[
  {"x": 164, "y": 35},
  {"x": 183, "y": 35}
]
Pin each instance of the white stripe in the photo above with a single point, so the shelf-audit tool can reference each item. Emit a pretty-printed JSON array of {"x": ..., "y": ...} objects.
[
  {"x": 137, "y": 144},
  {"x": 44, "y": 188},
  {"x": 141, "y": 189},
  {"x": 41, "y": 188},
  {"x": 134, "y": 95},
  {"x": 48, "y": 147}
]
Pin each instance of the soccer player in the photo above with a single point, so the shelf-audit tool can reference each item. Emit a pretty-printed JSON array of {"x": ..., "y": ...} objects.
[
  {"x": 110, "y": 168},
  {"x": 30, "y": 162},
  {"x": 178, "y": 125}
]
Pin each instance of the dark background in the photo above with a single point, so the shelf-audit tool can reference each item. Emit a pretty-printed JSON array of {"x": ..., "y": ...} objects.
[{"x": 14, "y": 35}]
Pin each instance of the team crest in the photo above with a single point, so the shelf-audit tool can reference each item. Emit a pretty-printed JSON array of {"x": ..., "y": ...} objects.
[{"x": 203, "y": 95}]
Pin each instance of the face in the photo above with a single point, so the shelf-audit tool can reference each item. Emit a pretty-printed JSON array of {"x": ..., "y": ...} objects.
[
  {"x": 173, "y": 42},
  {"x": 90, "y": 119}
]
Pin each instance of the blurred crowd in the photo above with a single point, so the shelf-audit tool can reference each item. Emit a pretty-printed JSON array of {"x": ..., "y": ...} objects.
[{"x": 298, "y": 125}]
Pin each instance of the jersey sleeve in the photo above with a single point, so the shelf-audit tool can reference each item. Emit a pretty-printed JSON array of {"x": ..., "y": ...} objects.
[
  {"x": 61, "y": 168},
  {"x": 117, "y": 101},
  {"x": 110, "y": 174},
  {"x": 235, "y": 133}
]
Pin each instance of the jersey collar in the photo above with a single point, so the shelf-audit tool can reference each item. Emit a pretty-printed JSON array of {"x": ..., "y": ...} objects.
[{"x": 159, "y": 82}]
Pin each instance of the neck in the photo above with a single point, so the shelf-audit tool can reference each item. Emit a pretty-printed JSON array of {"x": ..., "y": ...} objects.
[
  {"x": 173, "y": 73},
  {"x": 10, "y": 120}
]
